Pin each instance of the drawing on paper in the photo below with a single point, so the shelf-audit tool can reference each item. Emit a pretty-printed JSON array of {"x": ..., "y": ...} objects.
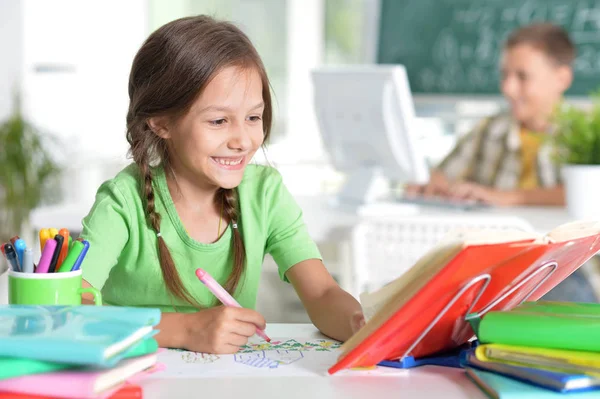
[
  {"x": 316, "y": 345},
  {"x": 197, "y": 357},
  {"x": 282, "y": 356},
  {"x": 268, "y": 359}
]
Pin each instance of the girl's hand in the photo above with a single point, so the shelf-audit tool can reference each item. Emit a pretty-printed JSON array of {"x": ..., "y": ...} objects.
[
  {"x": 221, "y": 329},
  {"x": 357, "y": 321}
]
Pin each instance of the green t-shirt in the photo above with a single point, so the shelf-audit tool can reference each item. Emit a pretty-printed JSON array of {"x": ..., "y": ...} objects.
[{"x": 123, "y": 262}]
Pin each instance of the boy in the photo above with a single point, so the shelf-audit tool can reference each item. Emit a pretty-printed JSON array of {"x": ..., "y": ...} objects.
[{"x": 503, "y": 161}]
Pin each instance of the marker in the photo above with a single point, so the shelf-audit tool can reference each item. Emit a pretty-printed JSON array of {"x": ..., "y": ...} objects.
[
  {"x": 19, "y": 249},
  {"x": 65, "y": 246},
  {"x": 44, "y": 236},
  {"x": 70, "y": 242},
  {"x": 223, "y": 296},
  {"x": 77, "y": 265},
  {"x": 2, "y": 249},
  {"x": 15, "y": 238},
  {"x": 53, "y": 232},
  {"x": 72, "y": 257},
  {"x": 46, "y": 258},
  {"x": 11, "y": 257},
  {"x": 27, "y": 265},
  {"x": 59, "y": 241}
]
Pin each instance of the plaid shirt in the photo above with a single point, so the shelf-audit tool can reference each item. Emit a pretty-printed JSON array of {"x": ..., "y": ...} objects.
[{"x": 491, "y": 155}]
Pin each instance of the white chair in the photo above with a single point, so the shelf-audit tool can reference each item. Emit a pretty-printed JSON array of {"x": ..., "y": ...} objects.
[{"x": 385, "y": 248}]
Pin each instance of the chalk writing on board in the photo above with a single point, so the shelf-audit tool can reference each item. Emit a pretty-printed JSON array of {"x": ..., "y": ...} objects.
[{"x": 467, "y": 36}]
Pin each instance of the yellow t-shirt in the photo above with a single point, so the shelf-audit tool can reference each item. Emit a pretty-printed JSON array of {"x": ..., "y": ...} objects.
[{"x": 530, "y": 145}]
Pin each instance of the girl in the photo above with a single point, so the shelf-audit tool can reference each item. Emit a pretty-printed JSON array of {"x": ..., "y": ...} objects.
[{"x": 200, "y": 107}]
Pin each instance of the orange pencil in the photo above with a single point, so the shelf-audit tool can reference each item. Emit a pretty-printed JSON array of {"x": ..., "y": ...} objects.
[{"x": 65, "y": 247}]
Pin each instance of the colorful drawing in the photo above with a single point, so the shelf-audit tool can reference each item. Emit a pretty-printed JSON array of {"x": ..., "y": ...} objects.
[
  {"x": 317, "y": 345},
  {"x": 268, "y": 359}
]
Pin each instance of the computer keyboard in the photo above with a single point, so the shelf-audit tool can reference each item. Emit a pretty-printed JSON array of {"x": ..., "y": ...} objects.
[{"x": 441, "y": 202}]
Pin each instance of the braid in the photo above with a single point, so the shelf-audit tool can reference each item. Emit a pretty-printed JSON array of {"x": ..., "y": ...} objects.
[
  {"x": 229, "y": 198},
  {"x": 167, "y": 265}
]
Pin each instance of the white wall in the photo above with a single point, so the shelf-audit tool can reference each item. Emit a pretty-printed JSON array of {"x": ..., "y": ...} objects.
[
  {"x": 11, "y": 64},
  {"x": 77, "y": 57},
  {"x": 11, "y": 50}
]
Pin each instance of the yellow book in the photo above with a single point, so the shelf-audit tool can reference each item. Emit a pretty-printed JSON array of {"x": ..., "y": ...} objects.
[{"x": 551, "y": 359}]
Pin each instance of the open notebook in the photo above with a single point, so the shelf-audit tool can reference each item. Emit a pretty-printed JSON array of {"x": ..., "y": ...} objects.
[{"x": 399, "y": 313}]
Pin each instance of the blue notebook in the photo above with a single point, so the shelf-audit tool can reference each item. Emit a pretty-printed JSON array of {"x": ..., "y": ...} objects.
[
  {"x": 557, "y": 381},
  {"x": 83, "y": 335},
  {"x": 500, "y": 387}
]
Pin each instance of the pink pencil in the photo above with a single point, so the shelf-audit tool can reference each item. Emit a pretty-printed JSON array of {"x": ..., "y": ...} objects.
[
  {"x": 46, "y": 258},
  {"x": 223, "y": 296}
]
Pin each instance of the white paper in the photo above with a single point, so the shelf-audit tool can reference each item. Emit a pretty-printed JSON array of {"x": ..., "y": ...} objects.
[{"x": 281, "y": 357}]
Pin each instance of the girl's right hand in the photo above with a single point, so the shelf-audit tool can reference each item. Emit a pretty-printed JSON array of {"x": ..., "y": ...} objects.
[{"x": 221, "y": 329}]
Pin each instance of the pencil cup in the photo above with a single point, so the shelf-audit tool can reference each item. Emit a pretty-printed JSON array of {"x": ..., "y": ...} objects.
[{"x": 48, "y": 289}]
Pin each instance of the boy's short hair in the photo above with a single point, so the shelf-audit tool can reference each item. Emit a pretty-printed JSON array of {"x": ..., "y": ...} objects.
[{"x": 553, "y": 40}]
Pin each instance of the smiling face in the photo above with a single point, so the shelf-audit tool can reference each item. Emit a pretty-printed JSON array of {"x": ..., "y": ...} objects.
[
  {"x": 532, "y": 83},
  {"x": 214, "y": 141}
]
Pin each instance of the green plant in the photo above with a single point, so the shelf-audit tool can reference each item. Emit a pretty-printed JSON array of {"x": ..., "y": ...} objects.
[
  {"x": 26, "y": 171},
  {"x": 577, "y": 139}
]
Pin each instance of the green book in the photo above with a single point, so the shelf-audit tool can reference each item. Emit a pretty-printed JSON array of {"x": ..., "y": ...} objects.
[
  {"x": 11, "y": 367},
  {"x": 554, "y": 325}
]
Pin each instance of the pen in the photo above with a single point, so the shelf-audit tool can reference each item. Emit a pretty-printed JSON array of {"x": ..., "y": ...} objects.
[
  {"x": 11, "y": 256},
  {"x": 46, "y": 258},
  {"x": 65, "y": 246},
  {"x": 27, "y": 265},
  {"x": 59, "y": 241},
  {"x": 53, "y": 232},
  {"x": 19, "y": 249},
  {"x": 72, "y": 256},
  {"x": 77, "y": 265},
  {"x": 223, "y": 295},
  {"x": 44, "y": 236}
]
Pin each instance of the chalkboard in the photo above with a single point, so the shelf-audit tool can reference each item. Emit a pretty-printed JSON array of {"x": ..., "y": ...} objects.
[{"x": 453, "y": 46}]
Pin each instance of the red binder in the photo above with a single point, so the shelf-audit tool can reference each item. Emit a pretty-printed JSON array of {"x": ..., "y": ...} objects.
[{"x": 477, "y": 279}]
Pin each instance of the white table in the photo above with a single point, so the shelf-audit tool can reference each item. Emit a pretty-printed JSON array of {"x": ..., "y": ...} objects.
[
  {"x": 424, "y": 382},
  {"x": 322, "y": 217},
  {"x": 326, "y": 220}
]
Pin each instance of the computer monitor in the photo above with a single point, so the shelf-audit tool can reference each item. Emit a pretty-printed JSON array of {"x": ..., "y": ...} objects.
[{"x": 365, "y": 116}]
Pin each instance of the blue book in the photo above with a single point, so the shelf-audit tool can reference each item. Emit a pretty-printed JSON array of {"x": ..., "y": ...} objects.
[
  {"x": 499, "y": 387},
  {"x": 82, "y": 335},
  {"x": 554, "y": 380}
]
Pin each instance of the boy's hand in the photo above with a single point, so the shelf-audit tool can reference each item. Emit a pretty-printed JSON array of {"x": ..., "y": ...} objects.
[
  {"x": 487, "y": 195},
  {"x": 437, "y": 186},
  {"x": 220, "y": 330}
]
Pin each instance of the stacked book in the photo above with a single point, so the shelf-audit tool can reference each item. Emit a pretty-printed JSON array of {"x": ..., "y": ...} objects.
[
  {"x": 538, "y": 349},
  {"x": 75, "y": 351}
]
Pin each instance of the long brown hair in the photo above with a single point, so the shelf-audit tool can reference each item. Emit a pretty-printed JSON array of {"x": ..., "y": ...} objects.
[{"x": 169, "y": 72}]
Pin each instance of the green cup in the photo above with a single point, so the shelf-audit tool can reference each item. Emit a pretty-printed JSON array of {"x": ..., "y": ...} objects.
[{"x": 48, "y": 289}]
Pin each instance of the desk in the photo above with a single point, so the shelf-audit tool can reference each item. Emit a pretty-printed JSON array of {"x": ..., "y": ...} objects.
[{"x": 425, "y": 382}]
